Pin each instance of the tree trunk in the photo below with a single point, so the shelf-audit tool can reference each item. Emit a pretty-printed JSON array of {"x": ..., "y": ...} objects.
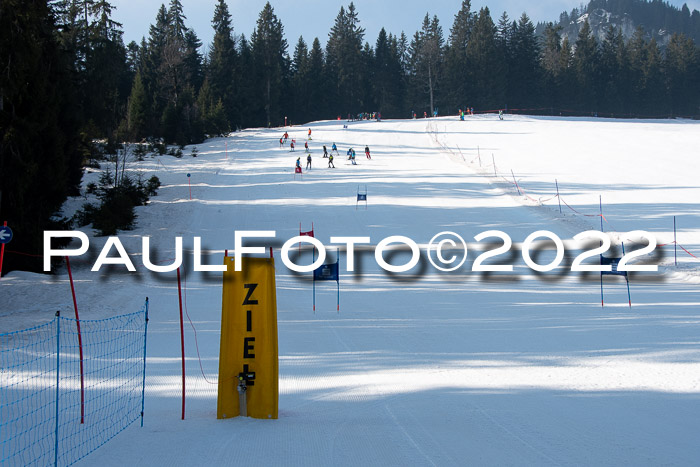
[{"x": 430, "y": 86}]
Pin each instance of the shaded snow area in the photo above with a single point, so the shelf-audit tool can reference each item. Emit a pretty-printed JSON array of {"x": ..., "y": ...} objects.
[{"x": 424, "y": 367}]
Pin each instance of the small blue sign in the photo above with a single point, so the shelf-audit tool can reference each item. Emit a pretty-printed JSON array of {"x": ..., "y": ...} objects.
[
  {"x": 327, "y": 272},
  {"x": 613, "y": 262},
  {"x": 5, "y": 234}
]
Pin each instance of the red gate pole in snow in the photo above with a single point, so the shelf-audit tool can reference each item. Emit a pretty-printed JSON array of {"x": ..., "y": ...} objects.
[
  {"x": 182, "y": 341},
  {"x": 189, "y": 183},
  {"x": 80, "y": 344}
]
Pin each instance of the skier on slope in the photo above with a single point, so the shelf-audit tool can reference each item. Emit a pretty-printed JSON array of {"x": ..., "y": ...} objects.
[
  {"x": 330, "y": 161},
  {"x": 281, "y": 142},
  {"x": 334, "y": 148},
  {"x": 308, "y": 162},
  {"x": 367, "y": 152},
  {"x": 309, "y": 133},
  {"x": 325, "y": 151},
  {"x": 286, "y": 136},
  {"x": 298, "y": 164},
  {"x": 292, "y": 145}
]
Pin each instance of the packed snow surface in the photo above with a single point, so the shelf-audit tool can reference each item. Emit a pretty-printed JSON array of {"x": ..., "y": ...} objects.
[{"x": 425, "y": 367}]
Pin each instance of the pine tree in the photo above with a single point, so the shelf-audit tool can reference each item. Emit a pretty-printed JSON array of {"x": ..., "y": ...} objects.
[
  {"x": 552, "y": 65},
  {"x": 101, "y": 68},
  {"x": 299, "y": 95},
  {"x": 456, "y": 65},
  {"x": 637, "y": 59},
  {"x": 139, "y": 108},
  {"x": 153, "y": 63},
  {"x": 655, "y": 101},
  {"x": 524, "y": 66},
  {"x": 613, "y": 72},
  {"x": 270, "y": 63},
  {"x": 344, "y": 60},
  {"x": 586, "y": 68},
  {"x": 172, "y": 69},
  {"x": 222, "y": 70},
  {"x": 486, "y": 65},
  {"x": 39, "y": 125},
  {"x": 427, "y": 59},
  {"x": 247, "y": 99},
  {"x": 317, "y": 82},
  {"x": 388, "y": 78},
  {"x": 193, "y": 60},
  {"x": 682, "y": 65}
]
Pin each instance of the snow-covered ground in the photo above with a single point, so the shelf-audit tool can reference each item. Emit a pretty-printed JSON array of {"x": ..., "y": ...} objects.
[{"x": 421, "y": 368}]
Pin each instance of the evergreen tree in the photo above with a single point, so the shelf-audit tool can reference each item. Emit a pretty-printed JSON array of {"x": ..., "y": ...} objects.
[
  {"x": 655, "y": 102},
  {"x": 456, "y": 65},
  {"x": 682, "y": 66},
  {"x": 246, "y": 98},
  {"x": 317, "y": 82},
  {"x": 39, "y": 136},
  {"x": 94, "y": 42},
  {"x": 566, "y": 79},
  {"x": 300, "y": 81},
  {"x": 366, "y": 77},
  {"x": 344, "y": 60},
  {"x": 270, "y": 64},
  {"x": 637, "y": 61},
  {"x": 193, "y": 60},
  {"x": 388, "y": 79},
  {"x": 486, "y": 64},
  {"x": 552, "y": 65},
  {"x": 222, "y": 71},
  {"x": 427, "y": 60},
  {"x": 524, "y": 66},
  {"x": 504, "y": 44},
  {"x": 172, "y": 69},
  {"x": 586, "y": 68},
  {"x": 139, "y": 108},
  {"x": 613, "y": 73}
]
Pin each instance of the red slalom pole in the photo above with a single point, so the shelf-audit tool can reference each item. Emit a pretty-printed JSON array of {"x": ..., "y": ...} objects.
[
  {"x": 182, "y": 341},
  {"x": 189, "y": 183},
  {"x": 80, "y": 345}
]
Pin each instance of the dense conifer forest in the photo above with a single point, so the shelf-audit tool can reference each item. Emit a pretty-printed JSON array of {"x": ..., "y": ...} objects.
[{"x": 68, "y": 80}]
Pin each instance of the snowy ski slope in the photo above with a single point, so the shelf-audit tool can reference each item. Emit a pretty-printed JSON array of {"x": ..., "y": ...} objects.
[{"x": 425, "y": 368}]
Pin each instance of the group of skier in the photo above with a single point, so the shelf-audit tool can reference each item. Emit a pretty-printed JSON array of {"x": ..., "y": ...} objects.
[{"x": 326, "y": 154}]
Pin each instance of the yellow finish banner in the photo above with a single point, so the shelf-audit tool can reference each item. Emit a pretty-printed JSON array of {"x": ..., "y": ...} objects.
[{"x": 248, "y": 347}]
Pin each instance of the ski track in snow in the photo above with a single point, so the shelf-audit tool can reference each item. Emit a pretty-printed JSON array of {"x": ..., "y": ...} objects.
[{"x": 427, "y": 368}]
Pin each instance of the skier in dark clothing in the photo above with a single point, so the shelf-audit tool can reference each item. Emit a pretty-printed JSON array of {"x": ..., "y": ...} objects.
[
  {"x": 330, "y": 161},
  {"x": 325, "y": 151},
  {"x": 367, "y": 152},
  {"x": 308, "y": 162}
]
